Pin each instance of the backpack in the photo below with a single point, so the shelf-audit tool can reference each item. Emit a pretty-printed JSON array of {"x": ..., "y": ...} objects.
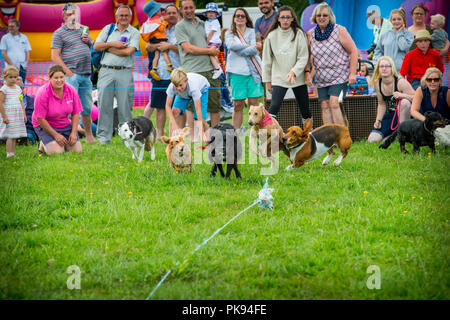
[{"x": 97, "y": 56}]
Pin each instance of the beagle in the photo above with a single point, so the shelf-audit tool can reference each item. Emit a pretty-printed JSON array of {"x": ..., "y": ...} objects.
[{"x": 304, "y": 146}]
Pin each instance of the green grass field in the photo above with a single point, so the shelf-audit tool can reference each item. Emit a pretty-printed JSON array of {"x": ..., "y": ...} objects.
[{"x": 126, "y": 224}]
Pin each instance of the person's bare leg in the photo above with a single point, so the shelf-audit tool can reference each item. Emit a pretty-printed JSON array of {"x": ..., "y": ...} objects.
[
  {"x": 148, "y": 110},
  {"x": 238, "y": 114},
  {"x": 405, "y": 110},
  {"x": 215, "y": 118},
  {"x": 10, "y": 145},
  {"x": 190, "y": 121},
  {"x": 86, "y": 121},
  {"x": 374, "y": 137},
  {"x": 326, "y": 112},
  {"x": 160, "y": 123},
  {"x": 53, "y": 148},
  {"x": 75, "y": 148},
  {"x": 336, "y": 113}
]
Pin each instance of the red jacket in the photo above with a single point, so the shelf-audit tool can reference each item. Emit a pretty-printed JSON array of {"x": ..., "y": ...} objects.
[{"x": 416, "y": 63}]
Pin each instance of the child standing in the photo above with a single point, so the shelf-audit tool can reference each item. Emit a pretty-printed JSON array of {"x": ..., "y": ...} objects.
[
  {"x": 212, "y": 30},
  {"x": 184, "y": 88},
  {"x": 439, "y": 35},
  {"x": 153, "y": 30},
  {"x": 12, "y": 110}
]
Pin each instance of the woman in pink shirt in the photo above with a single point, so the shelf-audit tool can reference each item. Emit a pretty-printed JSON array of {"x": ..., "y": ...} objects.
[{"x": 53, "y": 104}]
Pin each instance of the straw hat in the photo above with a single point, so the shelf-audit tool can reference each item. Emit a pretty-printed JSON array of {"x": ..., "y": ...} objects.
[{"x": 422, "y": 35}]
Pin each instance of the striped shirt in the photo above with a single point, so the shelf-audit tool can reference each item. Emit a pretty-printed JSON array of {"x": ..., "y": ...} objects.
[
  {"x": 75, "y": 53},
  {"x": 330, "y": 59},
  {"x": 14, "y": 112}
]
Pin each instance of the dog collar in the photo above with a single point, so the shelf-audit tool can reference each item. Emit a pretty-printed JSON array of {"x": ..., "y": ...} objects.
[
  {"x": 267, "y": 120},
  {"x": 300, "y": 144},
  {"x": 426, "y": 129}
]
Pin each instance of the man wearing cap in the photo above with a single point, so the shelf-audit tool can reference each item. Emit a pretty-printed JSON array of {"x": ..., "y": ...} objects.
[
  {"x": 115, "y": 78},
  {"x": 71, "y": 49},
  {"x": 417, "y": 61},
  {"x": 194, "y": 55},
  {"x": 380, "y": 26}
]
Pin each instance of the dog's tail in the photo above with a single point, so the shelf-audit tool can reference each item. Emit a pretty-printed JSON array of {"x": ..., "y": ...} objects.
[
  {"x": 344, "y": 115},
  {"x": 150, "y": 140},
  {"x": 388, "y": 140}
]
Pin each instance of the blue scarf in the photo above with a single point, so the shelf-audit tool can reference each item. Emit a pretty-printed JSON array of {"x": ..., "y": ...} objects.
[{"x": 320, "y": 36}]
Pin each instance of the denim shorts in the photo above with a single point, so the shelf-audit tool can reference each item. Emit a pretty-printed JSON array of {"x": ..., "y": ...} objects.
[
  {"x": 83, "y": 85},
  {"x": 182, "y": 104},
  {"x": 46, "y": 137},
  {"x": 386, "y": 124},
  {"x": 333, "y": 90}
]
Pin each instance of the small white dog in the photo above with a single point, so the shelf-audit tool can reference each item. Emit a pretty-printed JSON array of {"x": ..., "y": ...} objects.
[
  {"x": 138, "y": 135},
  {"x": 442, "y": 135}
]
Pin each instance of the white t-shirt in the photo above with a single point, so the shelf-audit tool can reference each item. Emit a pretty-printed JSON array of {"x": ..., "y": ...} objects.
[
  {"x": 213, "y": 25},
  {"x": 196, "y": 86}
]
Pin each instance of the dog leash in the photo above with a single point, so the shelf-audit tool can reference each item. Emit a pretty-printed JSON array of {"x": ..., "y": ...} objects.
[
  {"x": 265, "y": 201},
  {"x": 397, "y": 112}
]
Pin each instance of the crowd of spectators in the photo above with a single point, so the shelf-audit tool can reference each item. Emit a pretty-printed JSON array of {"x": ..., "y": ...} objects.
[{"x": 273, "y": 54}]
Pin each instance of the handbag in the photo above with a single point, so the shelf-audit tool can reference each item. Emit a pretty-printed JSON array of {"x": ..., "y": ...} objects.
[{"x": 255, "y": 62}]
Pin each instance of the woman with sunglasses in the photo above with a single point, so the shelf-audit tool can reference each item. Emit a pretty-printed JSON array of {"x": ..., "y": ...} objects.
[
  {"x": 243, "y": 66},
  {"x": 431, "y": 96},
  {"x": 394, "y": 95},
  {"x": 285, "y": 55},
  {"x": 334, "y": 57}
]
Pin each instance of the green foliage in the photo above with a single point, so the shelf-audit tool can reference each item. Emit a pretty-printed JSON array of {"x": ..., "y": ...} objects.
[{"x": 126, "y": 224}]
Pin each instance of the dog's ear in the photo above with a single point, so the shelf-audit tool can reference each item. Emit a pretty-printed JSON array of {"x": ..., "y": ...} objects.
[
  {"x": 186, "y": 131},
  {"x": 165, "y": 139},
  {"x": 307, "y": 126},
  {"x": 119, "y": 125},
  {"x": 427, "y": 114}
]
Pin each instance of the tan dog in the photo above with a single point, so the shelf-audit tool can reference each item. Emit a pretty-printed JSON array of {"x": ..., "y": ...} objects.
[
  {"x": 178, "y": 153},
  {"x": 267, "y": 129},
  {"x": 303, "y": 145}
]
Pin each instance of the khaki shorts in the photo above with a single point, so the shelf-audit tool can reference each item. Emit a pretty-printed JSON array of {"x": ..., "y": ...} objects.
[{"x": 214, "y": 93}]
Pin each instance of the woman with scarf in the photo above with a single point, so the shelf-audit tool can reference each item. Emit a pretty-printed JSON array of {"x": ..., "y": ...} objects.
[
  {"x": 243, "y": 65},
  {"x": 334, "y": 58},
  {"x": 285, "y": 55}
]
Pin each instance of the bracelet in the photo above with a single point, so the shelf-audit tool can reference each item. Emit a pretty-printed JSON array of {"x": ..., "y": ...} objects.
[
  {"x": 307, "y": 71},
  {"x": 378, "y": 120}
]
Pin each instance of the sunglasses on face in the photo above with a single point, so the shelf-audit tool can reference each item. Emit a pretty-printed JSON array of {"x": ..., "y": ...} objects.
[
  {"x": 285, "y": 18},
  {"x": 433, "y": 79},
  {"x": 242, "y": 16},
  {"x": 321, "y": 15}
]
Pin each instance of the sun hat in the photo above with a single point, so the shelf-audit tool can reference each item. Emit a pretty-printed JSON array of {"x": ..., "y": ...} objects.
[
  {"x": 151, "y": 8},
  {"x": 212, "y": 6},
  {"x": 422, "y": 35}
]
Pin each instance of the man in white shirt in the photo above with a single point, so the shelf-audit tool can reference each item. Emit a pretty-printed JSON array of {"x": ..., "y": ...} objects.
[{"x": 16, "y": 48}]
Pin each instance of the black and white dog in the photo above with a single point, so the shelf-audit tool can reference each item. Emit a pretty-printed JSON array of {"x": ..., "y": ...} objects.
[{"x": 138, "y": 134}]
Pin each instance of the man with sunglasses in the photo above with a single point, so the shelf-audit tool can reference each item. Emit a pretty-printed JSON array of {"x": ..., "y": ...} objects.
[
  {"x": 417, "y": 61},
  {"x": 263, "y": 23}
]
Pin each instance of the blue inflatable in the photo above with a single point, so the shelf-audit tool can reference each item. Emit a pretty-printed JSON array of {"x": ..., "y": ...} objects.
[{"x": 352, "y": 14}]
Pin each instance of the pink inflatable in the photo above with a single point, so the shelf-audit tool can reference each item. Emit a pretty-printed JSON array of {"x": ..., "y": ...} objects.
[{"x": 48, "y": 17}]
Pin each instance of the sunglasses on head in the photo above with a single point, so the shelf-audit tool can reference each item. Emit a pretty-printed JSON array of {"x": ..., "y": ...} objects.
[{"x": 433, "y": 79}]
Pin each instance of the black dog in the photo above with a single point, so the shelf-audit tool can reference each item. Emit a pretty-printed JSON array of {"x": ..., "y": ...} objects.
[
  {"x": 224, "y": 146},
  {"x": 416, "y": 132}
]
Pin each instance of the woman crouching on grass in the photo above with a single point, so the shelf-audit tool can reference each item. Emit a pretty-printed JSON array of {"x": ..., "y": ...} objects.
[
  {"x": 53, "y": 104},
  {"x": 391, "y": 90}
]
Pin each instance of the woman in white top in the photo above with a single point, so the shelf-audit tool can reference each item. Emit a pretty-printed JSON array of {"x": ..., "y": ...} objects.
[
  {"x": 285, "y": 55},
  {"x": 243, "y": 64}
]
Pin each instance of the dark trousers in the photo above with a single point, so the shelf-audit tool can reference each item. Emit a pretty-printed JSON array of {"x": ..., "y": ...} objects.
[
  {"x": 23, "y": 74},
  {"x": 301, "y": 96}
]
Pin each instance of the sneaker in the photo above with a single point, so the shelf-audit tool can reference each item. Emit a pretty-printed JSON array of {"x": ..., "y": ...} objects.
[
  {"x": 102, "y": 142},
  {"x": 155, "y": 75},
  {"x": 217, "y": 73},
  {"x": 228, "y": 109},
  {"x": 242, "y": 130}
]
